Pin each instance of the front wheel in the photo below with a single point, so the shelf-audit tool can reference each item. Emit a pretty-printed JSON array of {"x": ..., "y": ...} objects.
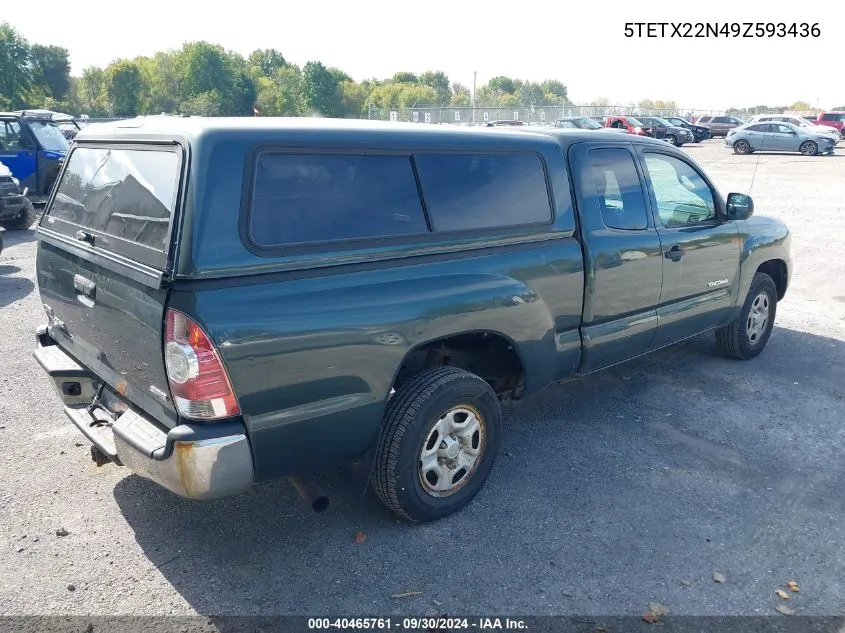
[
  {"x": 746, "y": 337},
  {"x": 441, "y": 433},
  {"x": 742, "y": 147},
  {"x": 809, "y": 148},
  {"x": 673, "y": 140}
]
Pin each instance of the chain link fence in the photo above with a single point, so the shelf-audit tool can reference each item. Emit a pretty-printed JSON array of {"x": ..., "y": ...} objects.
[{"x": 539, "y": 115}]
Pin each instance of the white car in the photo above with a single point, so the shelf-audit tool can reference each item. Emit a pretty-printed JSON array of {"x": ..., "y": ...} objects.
[{"x": 797, "y": 121}]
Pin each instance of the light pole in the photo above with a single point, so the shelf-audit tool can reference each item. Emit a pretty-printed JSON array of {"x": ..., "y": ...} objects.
[{"x": 472, "y": 105}]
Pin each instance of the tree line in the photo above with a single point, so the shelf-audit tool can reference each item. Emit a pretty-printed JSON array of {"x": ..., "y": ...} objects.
[{"x": 203, "y": 78}]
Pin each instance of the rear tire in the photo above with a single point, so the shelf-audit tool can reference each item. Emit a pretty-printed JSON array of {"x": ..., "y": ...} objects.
[
  {"x": 24, "y": 220},
  {"x": 742, "y": 147},
  {"x": 746, "y": 337},
  {"x": 433, "y": 426}
]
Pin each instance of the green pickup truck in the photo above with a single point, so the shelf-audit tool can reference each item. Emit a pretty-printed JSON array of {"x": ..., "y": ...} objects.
[{"x": 235, "y": 300}]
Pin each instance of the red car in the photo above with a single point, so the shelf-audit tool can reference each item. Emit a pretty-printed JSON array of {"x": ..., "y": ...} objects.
[
  {"x": 835, "y": 118},
  {"x": 631, "y": 124}
]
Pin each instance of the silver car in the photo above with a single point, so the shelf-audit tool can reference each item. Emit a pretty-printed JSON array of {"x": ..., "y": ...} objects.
[
  {"x": 797, "y": 121},
  {"x": 778, "y": 137}
]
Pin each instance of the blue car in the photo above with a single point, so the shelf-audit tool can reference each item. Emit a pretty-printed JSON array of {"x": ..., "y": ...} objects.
[{"x": 33, "y": 147}]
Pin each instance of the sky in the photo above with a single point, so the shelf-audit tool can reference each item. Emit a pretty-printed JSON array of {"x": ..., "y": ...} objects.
[{"x": 582, "y": 44}]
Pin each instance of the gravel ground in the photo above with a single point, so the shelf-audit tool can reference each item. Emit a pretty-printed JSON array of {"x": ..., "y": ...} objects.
[{"x": 615, "y": 491}]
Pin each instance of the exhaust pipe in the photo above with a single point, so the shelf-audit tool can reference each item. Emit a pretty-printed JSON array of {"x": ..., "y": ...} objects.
[{"x": 310, "y": 493}]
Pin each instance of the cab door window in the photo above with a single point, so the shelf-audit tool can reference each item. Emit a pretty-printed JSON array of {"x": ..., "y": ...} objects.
[
  {"x": 618, "y": 189},
  {"x": 682, "y": 196},
  {"x": 13, "y": 138}
]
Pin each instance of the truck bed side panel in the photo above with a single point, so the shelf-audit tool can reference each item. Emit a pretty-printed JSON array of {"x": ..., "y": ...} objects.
[{"x": 313, "y": 359}]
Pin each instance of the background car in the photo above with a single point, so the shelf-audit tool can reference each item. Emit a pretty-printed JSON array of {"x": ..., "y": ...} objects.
[
  {"x": 778, "y": 137},
  {"x": 504, "y": 123},
  {"x": 699, "y": 132},
  {"x": 719, "y": 125},
  {"x": 834, "y": 119},
  {"x": 68, "y": 124},
  {"x": 797, "y": 121},
  {"x": 663, "y": 129},
  {"x": 630, "y": 124},
  {"x": 584, "y": 123},
  {"x": 33, "y": 148},
  {"x": 16, "y": 211}
]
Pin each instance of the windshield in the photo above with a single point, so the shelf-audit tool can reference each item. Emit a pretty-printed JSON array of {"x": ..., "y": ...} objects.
[
  {"x": 635, "y": 122},
  {"x": 587, "y": 123},
  {"x": 662, "y": 121},
  {"x": 49, "y": 136}
]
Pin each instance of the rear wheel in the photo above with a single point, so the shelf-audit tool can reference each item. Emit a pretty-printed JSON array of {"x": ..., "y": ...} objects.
[
  {"x": 746, "y": 337},
  {"x": 742, "y": 147},
  {"x": 441, "y": 434},
  {"x": 809, "y": 148}
]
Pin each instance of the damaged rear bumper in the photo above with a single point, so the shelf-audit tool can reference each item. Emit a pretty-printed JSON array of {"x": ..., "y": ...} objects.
[{"x": 197, "y": 461}]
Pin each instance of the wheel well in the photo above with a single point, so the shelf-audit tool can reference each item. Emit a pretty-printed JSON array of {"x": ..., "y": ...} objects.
[
  {"x": 776, "y": 269},
  {"x": 486, "y": 354}
]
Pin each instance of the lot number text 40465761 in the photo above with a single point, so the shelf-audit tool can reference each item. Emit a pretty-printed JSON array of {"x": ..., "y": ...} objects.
[{"x": 722, "y": 29}]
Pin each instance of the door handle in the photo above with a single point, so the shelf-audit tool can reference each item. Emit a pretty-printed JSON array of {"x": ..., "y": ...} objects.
[
  {"x": 675, "y": 253},
  {"x": 84, "y": 286}
]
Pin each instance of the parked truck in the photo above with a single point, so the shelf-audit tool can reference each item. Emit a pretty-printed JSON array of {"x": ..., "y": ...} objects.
[{"x": 235, "y": 300}]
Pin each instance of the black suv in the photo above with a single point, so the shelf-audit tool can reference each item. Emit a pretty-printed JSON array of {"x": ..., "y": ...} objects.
[
  {"x": 663, "y": 129},
  {"x": 719, "y": 125},
  {"x": 699, "y": 132}
]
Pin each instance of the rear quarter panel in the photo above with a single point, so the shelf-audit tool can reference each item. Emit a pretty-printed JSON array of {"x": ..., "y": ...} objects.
[
  {"x": 312, "y": 348},
  {"x": 312, "y": 360}
]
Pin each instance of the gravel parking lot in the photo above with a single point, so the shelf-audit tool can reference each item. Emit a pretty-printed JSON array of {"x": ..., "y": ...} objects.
[{"x": 631, "y": 487}]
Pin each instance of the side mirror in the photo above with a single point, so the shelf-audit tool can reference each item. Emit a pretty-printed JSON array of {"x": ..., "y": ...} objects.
[{"x": 739, "y": 206}]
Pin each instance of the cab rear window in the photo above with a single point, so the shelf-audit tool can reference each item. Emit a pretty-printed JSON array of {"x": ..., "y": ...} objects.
[{"x": 128, "y": 194}]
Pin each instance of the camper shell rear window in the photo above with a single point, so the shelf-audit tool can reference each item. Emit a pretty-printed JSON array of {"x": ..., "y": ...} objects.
[{"x": 120, "y": 199}]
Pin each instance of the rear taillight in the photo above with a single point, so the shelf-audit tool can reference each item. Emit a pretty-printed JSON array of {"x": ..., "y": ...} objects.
[{"x": 198, "y": 381}]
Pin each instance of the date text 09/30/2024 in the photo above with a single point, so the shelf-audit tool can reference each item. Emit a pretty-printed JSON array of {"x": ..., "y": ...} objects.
[
  {"x": 722, "y": 29},
  {"x": 416, "y": 624}
]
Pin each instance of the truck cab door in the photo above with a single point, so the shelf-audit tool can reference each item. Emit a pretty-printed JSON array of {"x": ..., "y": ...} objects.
[
  {"x": 701, "y": 249},
  {"x": 622, "y": 255},
  {"x": 17, "y": 151}
]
